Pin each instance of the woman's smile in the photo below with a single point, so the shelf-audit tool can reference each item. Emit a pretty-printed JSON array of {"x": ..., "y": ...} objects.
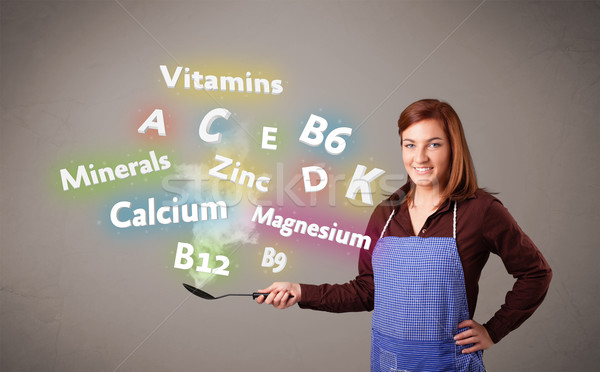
[
  {"x": 426, "y": 153},
  {"x": 421, "y": 170}
]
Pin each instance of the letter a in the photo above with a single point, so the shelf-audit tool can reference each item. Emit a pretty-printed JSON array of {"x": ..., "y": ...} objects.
[{"x": 154, "y": 121}]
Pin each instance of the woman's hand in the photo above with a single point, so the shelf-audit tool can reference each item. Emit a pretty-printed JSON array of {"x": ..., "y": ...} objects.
[
  {"x": 476, "y": 335},
  {"x": 281, "y": 294}
]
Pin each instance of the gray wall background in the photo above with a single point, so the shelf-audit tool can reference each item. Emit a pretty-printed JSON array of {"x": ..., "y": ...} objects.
[{"x": 523, "y": 76}]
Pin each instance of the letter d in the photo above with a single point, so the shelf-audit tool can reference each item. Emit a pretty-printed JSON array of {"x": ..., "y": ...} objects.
[{"x": 306, "y": 175}]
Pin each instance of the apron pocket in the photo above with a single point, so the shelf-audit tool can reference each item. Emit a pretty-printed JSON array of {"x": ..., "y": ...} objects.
[{"x": 390, "y": 354}]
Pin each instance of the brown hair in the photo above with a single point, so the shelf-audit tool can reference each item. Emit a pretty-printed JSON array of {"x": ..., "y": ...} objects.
[{"x": 463, "y": 181}]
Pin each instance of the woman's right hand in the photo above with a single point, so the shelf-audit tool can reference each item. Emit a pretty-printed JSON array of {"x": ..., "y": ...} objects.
[{"x": 281, "y": 295}]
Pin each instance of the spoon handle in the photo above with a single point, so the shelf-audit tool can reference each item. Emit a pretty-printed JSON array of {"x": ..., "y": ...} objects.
[{"x": 255, "y": 295}]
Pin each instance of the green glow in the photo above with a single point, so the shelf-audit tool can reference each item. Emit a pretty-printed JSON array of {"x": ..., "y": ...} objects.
[{"x": 137, "y": 183}]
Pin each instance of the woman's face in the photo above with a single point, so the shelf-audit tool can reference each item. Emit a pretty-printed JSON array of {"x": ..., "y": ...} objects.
[{"x": 426, "y": 154}]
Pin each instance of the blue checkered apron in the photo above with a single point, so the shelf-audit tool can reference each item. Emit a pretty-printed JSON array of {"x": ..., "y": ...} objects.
[{"x": 419, "y": 300}]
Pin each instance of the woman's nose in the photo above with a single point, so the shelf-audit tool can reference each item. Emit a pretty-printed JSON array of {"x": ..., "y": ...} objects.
[{"x": 421, "y": 156}]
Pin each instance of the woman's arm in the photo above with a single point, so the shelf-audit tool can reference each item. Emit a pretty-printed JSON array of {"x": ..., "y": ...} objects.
[
  {"x": 356, "y": 295},
  {"x": 523, "y": 261},
  {"x": 281, "y": 295},
  {"x": 476, "y": 335}
]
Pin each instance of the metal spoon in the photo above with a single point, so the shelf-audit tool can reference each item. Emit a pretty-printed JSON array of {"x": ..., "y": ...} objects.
[{"x": 206, "y": 296}]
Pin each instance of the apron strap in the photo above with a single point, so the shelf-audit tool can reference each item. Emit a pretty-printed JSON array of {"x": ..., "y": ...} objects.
[
  {"x": 454, "y": 227},
  {"x": 392, "y": 215},
  {"x": 386, "y": 224}
]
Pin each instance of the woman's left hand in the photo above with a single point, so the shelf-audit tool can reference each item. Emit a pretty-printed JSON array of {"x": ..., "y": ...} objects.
[{"x": 476, "y": 335}]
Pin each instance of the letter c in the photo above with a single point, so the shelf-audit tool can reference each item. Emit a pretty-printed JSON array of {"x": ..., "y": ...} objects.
[
  {"x": 207, "y": 122},
  {"x": 114, "y": 214},
  {"x": 261, "y": 184}
]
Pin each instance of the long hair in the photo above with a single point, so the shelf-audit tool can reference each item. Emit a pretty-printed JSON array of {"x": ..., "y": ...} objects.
[{"x": 463, "y": 180}]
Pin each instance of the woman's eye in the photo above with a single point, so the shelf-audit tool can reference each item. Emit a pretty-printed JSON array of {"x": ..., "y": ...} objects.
[
  {"x": 409, "y": 145},
  {"x": 434, "y": 145}
]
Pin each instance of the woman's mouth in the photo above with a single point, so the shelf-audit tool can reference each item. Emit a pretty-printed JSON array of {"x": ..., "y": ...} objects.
[{"x": 423, "y": 170}]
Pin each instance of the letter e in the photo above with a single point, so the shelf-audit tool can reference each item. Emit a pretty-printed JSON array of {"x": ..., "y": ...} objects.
[{"x": 267, "y": 137}]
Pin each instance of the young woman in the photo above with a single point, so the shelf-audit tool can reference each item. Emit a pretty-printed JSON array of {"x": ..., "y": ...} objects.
[{"x": 434, "y": 235}]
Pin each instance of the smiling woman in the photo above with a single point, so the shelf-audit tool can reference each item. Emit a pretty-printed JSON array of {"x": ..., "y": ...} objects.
[
  {"x": 426, "y": 154},
  {"x": 440, "y": 127},
  {"x": 434, "y": 236}
]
